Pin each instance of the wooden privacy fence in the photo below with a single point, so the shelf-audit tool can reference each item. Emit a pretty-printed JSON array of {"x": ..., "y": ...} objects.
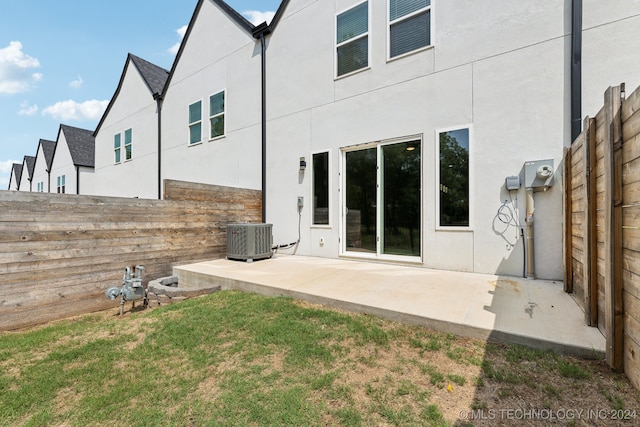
[
  {"x": 59, "y": 253},
  {"x": 602, "y": 233}
]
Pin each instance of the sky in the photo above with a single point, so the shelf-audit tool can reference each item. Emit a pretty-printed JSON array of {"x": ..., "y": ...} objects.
[{"x": 61, "y": 61}]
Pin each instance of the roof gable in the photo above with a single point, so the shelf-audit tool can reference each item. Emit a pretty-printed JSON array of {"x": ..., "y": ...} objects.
[
  {"x": 233, "y": 15},
  {"x": 154, "y": 77},
  {"x": 48, "y": 148},
  {"x": 81, "y": 143},
  {"x": 16, "y": 171},
  {"x": 30, "y": 162}
]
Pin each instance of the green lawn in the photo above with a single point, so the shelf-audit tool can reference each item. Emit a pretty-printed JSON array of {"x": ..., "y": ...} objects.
[{"x": 239, "y": 359}]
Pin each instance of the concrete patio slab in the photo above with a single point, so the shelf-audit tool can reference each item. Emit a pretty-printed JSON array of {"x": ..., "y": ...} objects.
[{"x": 535, "y": 313}]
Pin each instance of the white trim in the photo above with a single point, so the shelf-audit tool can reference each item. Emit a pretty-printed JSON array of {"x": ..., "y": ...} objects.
[
  {"x": 224, "y": 113},
  {"x": 406, "y": 17},
  {"x": 378, "y": 255},
  {"x": 336, "y": 45},
  {"x": 438, "y": 227},
  {"x": 329, "y": 186}
]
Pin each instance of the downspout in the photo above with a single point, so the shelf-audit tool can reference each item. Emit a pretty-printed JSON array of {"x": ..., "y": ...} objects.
[
  {"x": 576, "y": 69},
  {"x": 259, "y": 32},
  {"x": 48, "y": 181},
  {"x": 159, "y": 102},
  {"x": 77, "y": 179}
]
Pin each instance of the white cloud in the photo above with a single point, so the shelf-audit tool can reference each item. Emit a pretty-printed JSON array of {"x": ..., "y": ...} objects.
[
  {"x": 181, "y": 32},
  {"x": 77, "y": 83},
  {"x": 5, "y": 167},
  {"x": 72, "y": 110},
  {"x": 27, "y": 110},
  {"x": 16, "y": 69},
  {"x": 256, "y": 17}
]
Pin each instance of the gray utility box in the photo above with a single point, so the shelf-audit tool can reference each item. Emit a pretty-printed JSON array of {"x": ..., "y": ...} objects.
[
  {"x": 538, "y": 174},
  {"x": 248, "y": 242}
]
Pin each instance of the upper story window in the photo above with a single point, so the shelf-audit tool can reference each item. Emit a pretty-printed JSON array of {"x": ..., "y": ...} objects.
[
  {"x": 409, "y": 26},
  {"x": 128, "y": 151},
  {"x": 352, "y": 39},
  {"x": 216, "y": 115},
  {"x": 117, "y": 149},
  {"x": 40, "y": 187},
  {"x": 195, "y": 123}
]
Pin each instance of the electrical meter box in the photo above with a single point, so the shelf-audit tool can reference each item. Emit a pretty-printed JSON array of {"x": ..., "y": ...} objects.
[{"x": 538, "y": 174}]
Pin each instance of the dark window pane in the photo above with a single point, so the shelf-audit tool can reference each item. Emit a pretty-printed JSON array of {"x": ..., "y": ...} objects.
[
  {"x": 217, "y": 126},
  {"x": 410, "y": 34},
  {"x": 216, "y": 104},
  {"x": 353, "y": 56},
  {"x": 400, "y": 8},
  {"x": 195, "y": 112},
  {"x": 353, "y": 22},
  {"x": 321, "y": 188},
  {"x": 195, "y": 133},
  {"x": 454, "y": 178}
]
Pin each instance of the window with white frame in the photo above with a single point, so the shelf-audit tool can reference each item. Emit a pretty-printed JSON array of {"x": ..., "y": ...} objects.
[
  {"x": 216, "y": 115},
  {"x": 128, "y": 144},
  {"x": 61, "y": 184},
  {"x": 40, "y": 187},
  {"x": 117, "y": 149},
  {"x": 195, "y": 123},
  {"x": 321, "y": 188},
  {"x": 409, "y": 26},
  {"x": 352, "y": 39},
  {"x": 453, "y": 178}
]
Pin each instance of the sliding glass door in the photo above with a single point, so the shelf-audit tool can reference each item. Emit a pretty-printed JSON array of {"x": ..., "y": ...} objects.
[{"x": 382, "y": 200}]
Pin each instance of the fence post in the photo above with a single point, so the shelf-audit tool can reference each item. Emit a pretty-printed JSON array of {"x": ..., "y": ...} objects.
[
  {"x": 591, "y": 237},
  {"x": 614, "y": 310},
  {"x": 568, "y": 224}
]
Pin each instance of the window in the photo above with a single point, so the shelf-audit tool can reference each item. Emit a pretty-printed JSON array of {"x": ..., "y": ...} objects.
[
  {"x": 61, "y": 184},
  {"x": 216, "y": 115},
  {"x": 352, "y": 39},
  {"x": 127, "y": 144},
  {"x": 116, "y": 148},
  {"x": 195, "y": 123},
  {"x": 41, "y": 187},
  {"x": 453, "y": 175},
  {"x": 321, "y": 189},
  {"x": 409, "y": 26}
]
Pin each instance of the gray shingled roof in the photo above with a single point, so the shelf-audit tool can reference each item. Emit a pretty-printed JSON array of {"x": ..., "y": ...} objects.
[
  {"x": 48, "y": 148},
  {"x": 31, "y": 162},
  {"x": 82, "y": 145},
  {"x": 154, "y": 76}
]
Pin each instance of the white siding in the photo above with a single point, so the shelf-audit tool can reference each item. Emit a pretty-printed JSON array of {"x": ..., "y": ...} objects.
[
  {"x": 135, "y": 109},
  {"x": 40, "y": 173},
  {"x": 218, "y": 55},
  {"x": 63, "y": 165}
]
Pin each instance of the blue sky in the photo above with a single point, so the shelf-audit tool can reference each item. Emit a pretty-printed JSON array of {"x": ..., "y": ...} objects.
[{"x": 60, "y": 61}]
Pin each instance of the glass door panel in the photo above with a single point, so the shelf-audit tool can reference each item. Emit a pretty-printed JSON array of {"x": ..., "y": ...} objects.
[
  {"x": 401, "y": 195},
  {"x": 360, "y": 223}
]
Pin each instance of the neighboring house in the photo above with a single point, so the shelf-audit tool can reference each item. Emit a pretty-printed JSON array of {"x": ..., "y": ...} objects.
[
  {"x": 27, "y": 172},
  {"x": 211, "y": 113},
  {"x": 73, "y": 159},
  {"x": 41, "y": 172},
  {"x": 410, "y": 115},
  {"x": 127, "y": 137},
  {"x": 14, "y": 179}
]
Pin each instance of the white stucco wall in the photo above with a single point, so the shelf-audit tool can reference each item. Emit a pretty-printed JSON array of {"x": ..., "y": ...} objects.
[
  {"x": 218, "y": 55},
  {"x": 40, "y": 173},
  {"x": 134, "y": 108},
  {"x": 25, "y": 184},
  {"x": 63, "y": 165},
  {"x": 13, "y": 181},
  {"x": 502, "y": 69}
]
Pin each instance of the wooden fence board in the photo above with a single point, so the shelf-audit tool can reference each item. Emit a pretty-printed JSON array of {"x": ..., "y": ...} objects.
[{"x": 58, "y": 253}]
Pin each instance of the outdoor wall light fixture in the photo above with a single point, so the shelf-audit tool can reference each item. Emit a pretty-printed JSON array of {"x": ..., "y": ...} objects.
[{"x": 303, "y": 164}]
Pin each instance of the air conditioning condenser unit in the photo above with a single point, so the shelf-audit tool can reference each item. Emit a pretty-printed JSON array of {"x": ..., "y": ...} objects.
[{"x": 248, "y": 242}]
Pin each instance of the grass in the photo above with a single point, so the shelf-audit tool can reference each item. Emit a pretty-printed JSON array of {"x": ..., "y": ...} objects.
[{"x": 239, "y": 359}]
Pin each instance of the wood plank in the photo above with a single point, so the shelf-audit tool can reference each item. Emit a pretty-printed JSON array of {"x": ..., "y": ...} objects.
[
  {"x": 631, "y": 127},
  {"x": 631, "y": 105},
  {"x": 631, "y": 263}
]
